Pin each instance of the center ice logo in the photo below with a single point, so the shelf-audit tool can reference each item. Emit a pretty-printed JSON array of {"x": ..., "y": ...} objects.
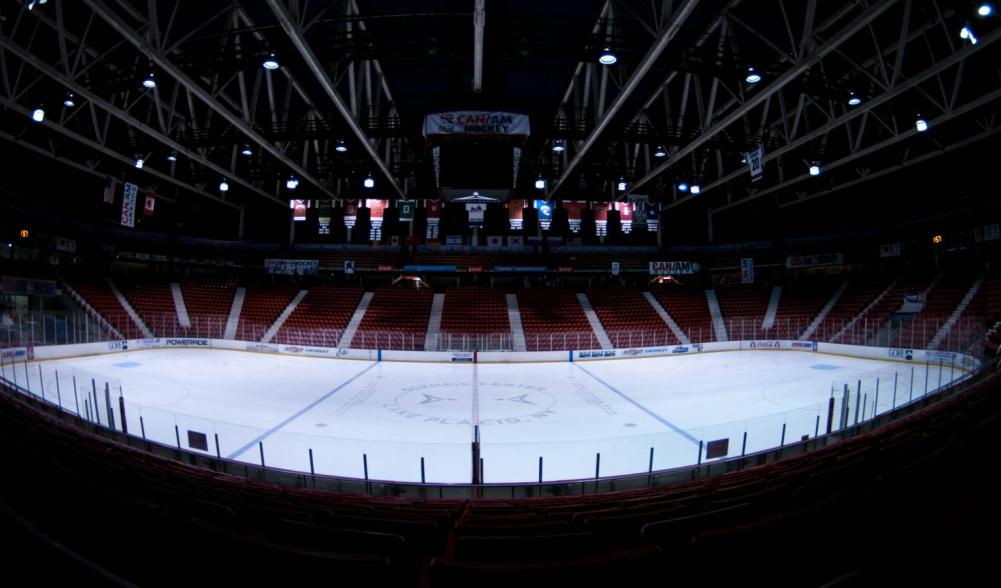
[{"x": 450, "y": 403}]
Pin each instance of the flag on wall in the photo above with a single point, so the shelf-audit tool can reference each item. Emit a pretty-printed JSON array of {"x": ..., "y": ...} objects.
[
  {"x": 150, "y": 203},
  {"x": 626, "y": 215},
  {"x": 110, "y": 186},
  {"x": 573, "y": 213}
]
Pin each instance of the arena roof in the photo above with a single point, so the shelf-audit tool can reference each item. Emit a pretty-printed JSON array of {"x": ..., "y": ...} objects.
[{"x": 367, "y": 72}]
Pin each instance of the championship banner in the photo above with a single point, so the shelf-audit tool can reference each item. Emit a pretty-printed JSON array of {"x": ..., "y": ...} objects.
[
  {"x": 476, "y": 211},
  {"x": 673, "y": 268},
  {"x": 325, "y": 213},
  {"x": 573, "y": 213},
  {"x": 110, "y": 186},
  {"x": 378, "y": 208},
  {"x": 747, "y": 270},
  {"x": 474, "y": 122},
  {"x": 406, "y": 208},
  {"x": 889, "y": 250},
  {"x": 516, "y": 214},
  {"x": 150, "y": 203},
  {"x": 545, "y": 209},
  {"x": 298, "y": 209},
  {"x": 626, "y": 215},
  {"x": 292, "y": 267},
  {"x": 796, "y": 261},
  {"x": 66, "y": 245},
  {"x": 756, "y": 162},
  {"x": 129, "y": 205},
  {"x": 351, "y": 212},
  {"x": 436, "y": 162},
  {"x": 433, "y": 207},
  {"x": 516, "y": 161},
  {"x": 600, "y": 218}
]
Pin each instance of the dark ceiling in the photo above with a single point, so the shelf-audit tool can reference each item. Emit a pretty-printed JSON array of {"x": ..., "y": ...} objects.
[{"x": 367, "y": 72}]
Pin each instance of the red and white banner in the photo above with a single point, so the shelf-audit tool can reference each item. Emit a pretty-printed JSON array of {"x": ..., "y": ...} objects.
[
  {"x": 625, "y": 215},
  {"x": 351, "y": 212},
  {"x": 574, "y": 208},
  {"x": 600, "y": 218},
  {"x": 433, "y": 208},
  {"x": 378, "y": 211},
  {"x": 298, "y": 209},
  {"x": 150, "y": 203},
  {"x": 516, "y": 214},
  {"x": 110, "y": 186}
]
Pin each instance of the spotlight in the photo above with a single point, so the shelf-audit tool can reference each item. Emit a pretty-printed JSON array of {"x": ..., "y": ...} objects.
[
  {"x": 340, "y": 146},
  {"x": 967, "y": 33},
  {"x": 853, "y": 100},
  {"x": 68, "y": 101},
  {"x": 622, "y": 185},
  {"x": 139, "y": 162},
  {"x": 270, "y": 62},
  {"x": 660, "y": 151},
  {"x": 246, "y": 151},
  {"x": 682, "y": 187},
  {"x": 292, "y": 183},
  {"x": 223, "y": 186},
  {"x": 559, "y": 146},
  {"x": 607, "y": 57},
  {"x": 921, "y": 124},
  {"x": 369, "y": 181},
  {"x": 171, "y": 156},
  {"x": 985, "y": 10},
  {"x": 753, "y": 77},
  {"x": 696, "y": 188},
  {"x": 38, "y": 115},
  {"x": 149, "y": 82},
  {"x": 814, "y": 169},
  {"x": 540, "y": 183}
]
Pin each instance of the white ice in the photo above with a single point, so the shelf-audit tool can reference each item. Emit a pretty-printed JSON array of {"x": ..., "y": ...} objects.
[{"x": 392, "y": 414}]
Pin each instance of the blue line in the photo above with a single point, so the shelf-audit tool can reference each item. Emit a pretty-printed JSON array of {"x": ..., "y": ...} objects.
[
  {"x": 308, "y": 408},
  {"x": 649, "y": 412}
]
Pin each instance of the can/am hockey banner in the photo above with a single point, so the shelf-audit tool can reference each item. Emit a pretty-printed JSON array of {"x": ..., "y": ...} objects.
[
  {"x": 378, "y": 208},
  {"x": 298, "y": 209},
  {"x": 129, "y": 205},
  {"x": 474, "y": 122},
  {"x": 794, "y": 261},
  {"x": 756, "y": 162},
  {"x": 673, "y": 268},
  {"x": 406, "y": 208},
  {"x": 516, "y": 214},
  {"x": 292, "y": 267},
  {"x": 747, "y": 270},
  {"x": 574, "y": 207}
]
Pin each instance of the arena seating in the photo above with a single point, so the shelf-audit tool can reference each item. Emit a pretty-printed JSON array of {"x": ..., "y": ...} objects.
[
  {"x": 743, "y": 309},
  {"x": 473, "y": 313},
  {"x": 868, "y": 322},
  {"x": 154, "y": 303},
  {"x": 320, "y": 318},
  {"x": 208, "y": 305},
  {"x": 942, "y": 300},
  {"x": 798, "y": 306},
  {"x": 689, "y": 308},
  {"x": 395, "y": 319},
  {"x": 100, "y": 297},
  {"x": 856, "y": 297},
  {"x": 261, "y": 307},
  {"x": 992, "y": 304},
  {"x": 553, "y": 320},
  {"x": 917, "y": 483},
  {"x": 629, "y": 320}
]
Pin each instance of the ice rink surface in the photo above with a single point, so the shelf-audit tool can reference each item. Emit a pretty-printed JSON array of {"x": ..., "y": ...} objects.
[{"x": 390, "y": 415}]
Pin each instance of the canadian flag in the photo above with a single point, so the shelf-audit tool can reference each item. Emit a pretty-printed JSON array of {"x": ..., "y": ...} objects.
[{"x": 150, "y": 203}]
